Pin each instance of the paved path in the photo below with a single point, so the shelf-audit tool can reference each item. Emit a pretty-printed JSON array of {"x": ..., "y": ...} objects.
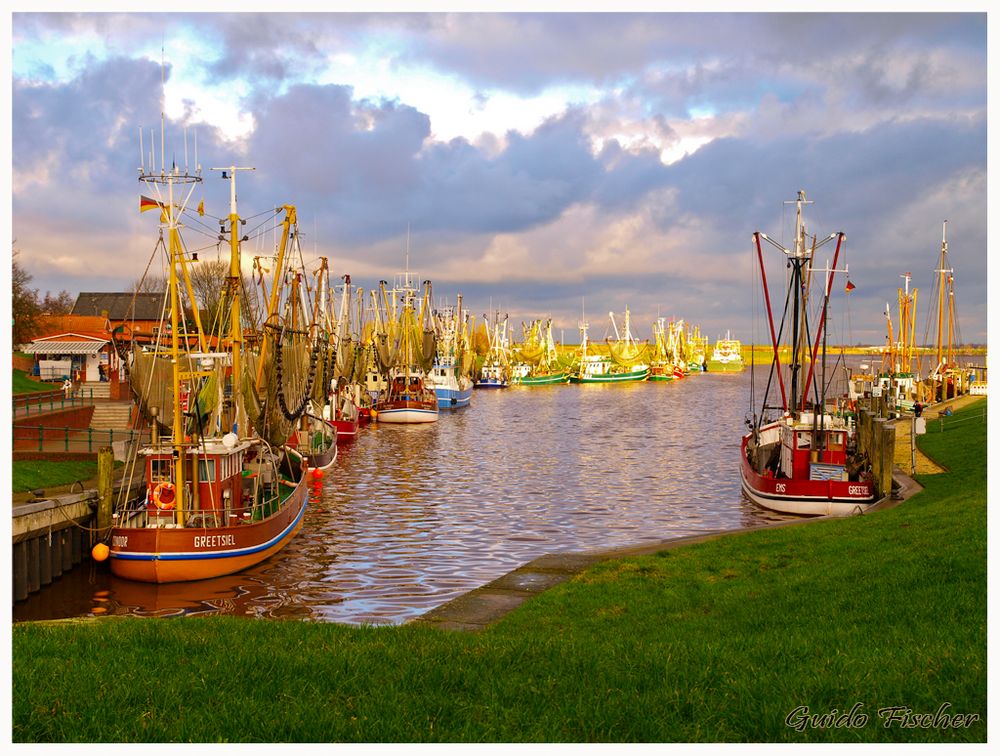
[{"x": 925, "y": 465}]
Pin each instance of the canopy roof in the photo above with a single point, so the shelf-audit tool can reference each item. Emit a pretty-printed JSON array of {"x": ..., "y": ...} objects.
[{"x": 65, "y": 347}]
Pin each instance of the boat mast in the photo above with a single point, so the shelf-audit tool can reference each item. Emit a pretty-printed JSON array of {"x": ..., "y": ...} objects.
[
  {"x": 170, "y": 213},
  {"x": 941, "y": 271}
]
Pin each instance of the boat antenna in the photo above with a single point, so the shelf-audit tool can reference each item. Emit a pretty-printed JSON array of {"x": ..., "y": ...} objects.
[{"x": 163, "y": 104}]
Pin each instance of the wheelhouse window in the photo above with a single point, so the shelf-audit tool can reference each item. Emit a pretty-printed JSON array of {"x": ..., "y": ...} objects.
[
  {"x": 161, "y": 468},
  {"x": 206, "y": 470}
]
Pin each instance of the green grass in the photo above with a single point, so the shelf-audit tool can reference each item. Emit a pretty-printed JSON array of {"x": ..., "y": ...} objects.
[
  {"x": 717, "y": 641},
  {"x": 32, "y": 474},
  {"x": 22, "y": 384}
]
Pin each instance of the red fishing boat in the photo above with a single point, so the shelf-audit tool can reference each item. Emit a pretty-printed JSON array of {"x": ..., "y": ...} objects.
[{"x": 805, "y": 461}]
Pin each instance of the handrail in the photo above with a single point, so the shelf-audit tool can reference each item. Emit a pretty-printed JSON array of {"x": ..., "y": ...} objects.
[
  {"x": 66, "y": 439},
  {"x": 33, "y": 404}
]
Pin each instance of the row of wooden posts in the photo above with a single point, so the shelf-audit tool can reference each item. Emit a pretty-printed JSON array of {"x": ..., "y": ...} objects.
[
  {"x": 877, "y": 440},
  {"x": 42, "y": 556}
]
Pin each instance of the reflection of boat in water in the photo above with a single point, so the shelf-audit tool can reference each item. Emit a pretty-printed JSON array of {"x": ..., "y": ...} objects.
[
  {"x": 218, "y": 497},
  {"x": 238, "y": 594},
  {"x": 806, "y": 461}
]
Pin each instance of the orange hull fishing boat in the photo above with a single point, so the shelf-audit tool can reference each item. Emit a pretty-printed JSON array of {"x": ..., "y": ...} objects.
[{"x": 222, "y": 492}]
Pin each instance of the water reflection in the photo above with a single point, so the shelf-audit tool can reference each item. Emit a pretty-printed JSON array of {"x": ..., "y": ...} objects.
[{"x": 413, "y": 516}]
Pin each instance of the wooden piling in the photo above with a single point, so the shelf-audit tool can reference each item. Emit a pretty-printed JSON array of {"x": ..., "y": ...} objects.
[
  {"x": 105, "y": 482},
  {"x": 44, "y": 558},
  {"x": 33, "y": 577},
  {"x": 20, "y": 559}
]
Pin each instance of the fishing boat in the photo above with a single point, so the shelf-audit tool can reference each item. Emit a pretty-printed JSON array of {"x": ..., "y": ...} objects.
[
  {"x": 727, "y": 357},
  {"x": 538, "y": 363},
  {"x": 405, "y": 350},
  {"x": 804, "y": 461},
  {"x": 897, "y": 381},
  {"x": 625, "y": 362},
  {"x": 947, "y": 379},
  {"x": 666, "y": 363},
  {"x": 449, "y": 375},
  {"x": 342, "y": 407},
  {"x": 219, "y": 496},
  {"x": 496, "y": 369}
]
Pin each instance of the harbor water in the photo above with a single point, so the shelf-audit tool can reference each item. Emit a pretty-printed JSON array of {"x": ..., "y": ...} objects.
[{"x": 410, "y": 517}]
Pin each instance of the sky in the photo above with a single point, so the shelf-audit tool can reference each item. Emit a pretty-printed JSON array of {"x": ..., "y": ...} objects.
[{"x": 547, "y": 164}]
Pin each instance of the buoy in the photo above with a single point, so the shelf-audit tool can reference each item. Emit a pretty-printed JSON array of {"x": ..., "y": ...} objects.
[
  {"x": 100, "y": 552},
  {"x": 317, "y": 473}
]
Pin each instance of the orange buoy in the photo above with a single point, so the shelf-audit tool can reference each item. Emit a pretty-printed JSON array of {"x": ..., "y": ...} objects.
[
  {"x": 100, "y": 552},
  {"x": 317, "y": 473}
]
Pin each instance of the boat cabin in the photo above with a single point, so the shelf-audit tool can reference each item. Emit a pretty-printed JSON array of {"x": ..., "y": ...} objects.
[
  {"x": 213, "y": 486},
  {"x": 814, "y": 453}
]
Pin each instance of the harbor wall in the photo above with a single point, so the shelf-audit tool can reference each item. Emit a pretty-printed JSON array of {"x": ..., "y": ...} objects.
[
  {"x": 877, "y": 440},
  {"x": 28, "y": 432},
  {"x": 52, "y": 536}
]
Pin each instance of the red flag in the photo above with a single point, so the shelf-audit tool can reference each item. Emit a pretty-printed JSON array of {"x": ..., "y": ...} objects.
[{"x": 850, "y": 286}]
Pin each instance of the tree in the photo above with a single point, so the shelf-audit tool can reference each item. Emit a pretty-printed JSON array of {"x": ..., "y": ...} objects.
[
  {"x": 60, "y": 304},
  {"x": 24, "y": 303}
]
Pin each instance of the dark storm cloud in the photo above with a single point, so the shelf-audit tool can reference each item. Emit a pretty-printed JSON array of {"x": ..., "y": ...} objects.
[{"x": 371, "y": 164}]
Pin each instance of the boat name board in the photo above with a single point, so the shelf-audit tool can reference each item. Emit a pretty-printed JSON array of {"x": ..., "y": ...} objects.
[
  {"x": 212, "y": 541},
  {"x": 200, "y": 542}
]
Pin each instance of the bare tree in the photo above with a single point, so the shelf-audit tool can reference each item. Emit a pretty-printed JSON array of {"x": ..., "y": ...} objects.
[
  {"x": 58, "y": 304},
  {"x": 24, "y": 302}
]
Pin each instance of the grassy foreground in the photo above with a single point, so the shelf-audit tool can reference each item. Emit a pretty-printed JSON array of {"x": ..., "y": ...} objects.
[
  {"x": 718, "y": 641},
  {"x": 22, "y": 384}
]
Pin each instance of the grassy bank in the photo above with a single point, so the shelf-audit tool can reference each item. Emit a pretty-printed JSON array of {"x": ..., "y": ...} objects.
[
  {"x": 21, "y": 383},
  {"x": 718, "y": 641},
  {"x": 32, "y": 474}
]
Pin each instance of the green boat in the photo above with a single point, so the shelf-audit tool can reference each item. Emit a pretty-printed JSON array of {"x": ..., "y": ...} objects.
[
  {"x": 542, "y": 379},
  {"x": 538, "y": 359},
  {"x": 625, "y": 363}
]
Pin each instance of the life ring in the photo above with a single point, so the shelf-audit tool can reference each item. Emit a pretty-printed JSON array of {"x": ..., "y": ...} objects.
[{"x": 164, "y": 496}]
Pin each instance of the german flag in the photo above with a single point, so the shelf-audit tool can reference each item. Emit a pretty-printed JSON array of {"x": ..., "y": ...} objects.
[
  {"x": 850, "y": 286},
  {"x": 148, "y": 203}
]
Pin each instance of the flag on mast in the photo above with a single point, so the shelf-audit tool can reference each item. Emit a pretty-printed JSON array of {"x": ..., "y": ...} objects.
[{"x": 850, "y": 287}]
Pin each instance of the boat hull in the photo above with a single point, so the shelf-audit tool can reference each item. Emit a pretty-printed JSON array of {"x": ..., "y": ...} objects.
[
  {"x": 713, "y": 366},
  {"x": 635, "y": 375},
  {"x": 407, "y": 415},
  {"x": 170, "y": 555},
  {"x": 347, "y": 430},
  {"x": 491, "y": 383},
  {"x": 542, "y": 380},
  {"x": 804, "y": 497},
  {"x": 453, "y": 398}
]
